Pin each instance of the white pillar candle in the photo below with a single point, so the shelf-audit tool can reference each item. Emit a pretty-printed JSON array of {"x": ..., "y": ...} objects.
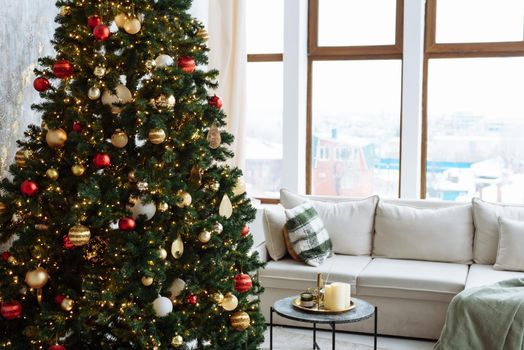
[
  {"x": 328, "y": 297},
  {"x": 348, "y": 294},
  {"x": 339, "y": 292}
]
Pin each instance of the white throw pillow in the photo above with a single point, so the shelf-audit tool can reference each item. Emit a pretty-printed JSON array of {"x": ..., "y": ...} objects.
[
  {"x": 511, "y": 242},
  {"x": 485, "y": 216},
  {"x": 274, "y": 219},
  {"x": 349, "y": 223},
  {"x": 444, "y": 234}
]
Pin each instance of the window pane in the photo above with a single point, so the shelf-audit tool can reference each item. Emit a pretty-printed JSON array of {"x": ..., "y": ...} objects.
[
  {"x": 467, "y": 21},
  {"x": 356, "y": 127},
  {"x": 263, "y": 169},
  {"x": 356, "y": 22},
  {"x": 265, "y": 26},
  {"x": 475, "y": 122}
]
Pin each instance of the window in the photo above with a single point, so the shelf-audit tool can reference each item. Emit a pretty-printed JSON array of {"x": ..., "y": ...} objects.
[
  {"x": 474, "y": 117},
  {"x": 355, "y": 94},
  {"x": 263, "y": 170}
]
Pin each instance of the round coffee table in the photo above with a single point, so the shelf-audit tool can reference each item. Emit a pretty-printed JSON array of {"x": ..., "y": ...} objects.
[{"x": 362, "y": 311}]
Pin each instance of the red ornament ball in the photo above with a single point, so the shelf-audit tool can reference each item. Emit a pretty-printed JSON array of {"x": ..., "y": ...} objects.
[
  {"x": 41, "y": 84},
  {"x": 5, "y": 256},
  {"x": 68, "y": 244},
  {"x": 77, "y": 127},
  {"x": 101, "y": 32},
  {"x": 93, "y": 21},
  {"x": 243, "y": 283},
  {"x": 63, "y": 69},
  {"x": 59, "y": 298},
  {"x": 187, "y": 64},
  {"x": 191, "y": 299},
  {"x": 245, "y": 231},
  {"x": 29, "y": 188},
  {"x": 102, "y": 160},
  {"x": 215, "y": 101},
  {"x": 127, "y": 224},
  {"x": 11, "y": 310},
  {"x": 57, "y": 347}
]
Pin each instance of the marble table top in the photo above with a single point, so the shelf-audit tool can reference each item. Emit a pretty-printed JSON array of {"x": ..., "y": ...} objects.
[{"x": 363, "y": 310}]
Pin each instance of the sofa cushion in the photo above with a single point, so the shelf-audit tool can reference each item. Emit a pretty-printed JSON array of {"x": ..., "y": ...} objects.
[
  {"x": 481, "y": 275},
  {"x": 307, "y": 235},
  {"x": 444, "y": 234},
  {"x": 349, "y": 223},
  {"x": 289, "y": 274},
  {"x": 411, "y": 279},
  {"x": 485, "y": 217},
  {"x": 274, "y": 219},
  {"x": 511, "y": 241}
]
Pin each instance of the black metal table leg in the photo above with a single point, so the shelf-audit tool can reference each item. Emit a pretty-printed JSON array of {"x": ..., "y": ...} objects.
[
  {"x": 271, "y": 329},
  {"x": 334, "y": 332},
  {"x": 314, "y": 336},
  {"x": 375, "y": 333}
]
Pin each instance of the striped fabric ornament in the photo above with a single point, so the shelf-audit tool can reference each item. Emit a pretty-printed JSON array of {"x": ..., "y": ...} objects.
[{"x": 307, "y": 235}]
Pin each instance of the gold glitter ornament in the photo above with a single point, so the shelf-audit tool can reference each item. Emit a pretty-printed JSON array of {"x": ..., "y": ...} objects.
[
  {"x": 177, "y": 341},
  {"x": 78, "y": 169},
  {"x": 99, "y": 71},
  {"x": 120, "y": 20},
  {"x": 218, "y": 297},
  {"x": 56, "y": 138},
  {"x": 163, "y": 102},
  {"x": 163, "y": 207},
  {"x": 119, "y": 139},
  {"x": 67, "y": 304},
  {"x": 37, "y": 278},
  {"x": 157, "y": 136},
  {"x": 146, "y": 281},
  {"x": 79, "y": 235},
  {"x": 52, "y": 174},
  {"x": 132, "y": 26}
]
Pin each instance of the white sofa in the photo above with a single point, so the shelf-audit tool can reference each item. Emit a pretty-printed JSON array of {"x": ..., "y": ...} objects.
[{"x": 414, "y": 257}]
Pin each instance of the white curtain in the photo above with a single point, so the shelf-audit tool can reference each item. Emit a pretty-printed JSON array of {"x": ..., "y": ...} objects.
[{"x": 225, "y": 21}]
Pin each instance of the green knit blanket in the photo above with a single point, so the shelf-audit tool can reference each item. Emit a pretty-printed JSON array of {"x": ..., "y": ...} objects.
[{"x": 486, "y": 318}]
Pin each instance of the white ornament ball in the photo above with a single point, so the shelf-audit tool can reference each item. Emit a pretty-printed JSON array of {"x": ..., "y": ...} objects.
[
  {"x": 177, "y": 287},
  {"x": 132, "y": 26},
  {"x": 93, "y": 93},
  {"x": 230, "y": 302},
  {"x": 120, "y": 20},
  {"x": 162, "y": 254},
  {"x": 164, "y": 61},
  {"x": 219, "y": 228},
  {"x": 162, "y": 306},
  {"x": 138, "y": 208},
  {"x": 123, "y": 96}
]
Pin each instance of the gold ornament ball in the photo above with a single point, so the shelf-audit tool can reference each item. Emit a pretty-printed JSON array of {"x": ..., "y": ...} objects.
[
  {"x": 147, "y": 281},
  {"x": 204, "y": 236},
  {"x": 150, "y": 64},
  {"x": 52, "y": 174},
  {"x": 41, "y": 227},
  {"x": 79, "y": 235},
  {"x": 65, "y": 10},
  {"x": 177, "y": 341},
  {"x": 3, "y": 208},
  {"x": 132, "y": 26},
  {"x": 230, "y": 302},
  {"x": 218, "y": 297},
  {"x": 162, "y": 254},
  {"x": 93, "y": 93},
  {"x": 142, "y": 186},
  {"x": 214, "y": 186},
  {"x": 99, "y": 71},
  {"x": 184, "y": 199},
  {"x": 120, "y": 20},
  {"x": 119, "y": 139},
  {"x": 240, "y": 321},
  {"x": 67, "y": 304},
  {"x": 56, "y": 138},
  {"x": 157, "y": 136},
  {"x": 202, "y": 34},
  {"x": 78, "y": 170},
  {"x": 163, "y": 207},
  {"x": 37, "y": 278},
  {"x": 21, "y": 157}
]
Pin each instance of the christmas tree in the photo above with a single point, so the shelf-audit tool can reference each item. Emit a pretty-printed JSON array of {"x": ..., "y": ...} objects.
[{"x": 130, "y": 229}]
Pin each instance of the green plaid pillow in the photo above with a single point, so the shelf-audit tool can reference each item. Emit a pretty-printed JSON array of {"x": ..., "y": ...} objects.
[{"x": 307, "y": 234}]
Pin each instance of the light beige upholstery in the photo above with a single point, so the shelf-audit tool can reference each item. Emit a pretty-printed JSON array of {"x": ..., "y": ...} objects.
[
  {"x": 511, "y": 242},
  {"x": 411, "y": 279},
  {"x": 481, "y": 275},
  {"x": 290, "y": 274},
  {"x": 274, "y": 219}
]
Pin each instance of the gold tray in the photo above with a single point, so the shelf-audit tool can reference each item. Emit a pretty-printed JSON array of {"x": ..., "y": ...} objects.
[{"x": 321, "y": 310}]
